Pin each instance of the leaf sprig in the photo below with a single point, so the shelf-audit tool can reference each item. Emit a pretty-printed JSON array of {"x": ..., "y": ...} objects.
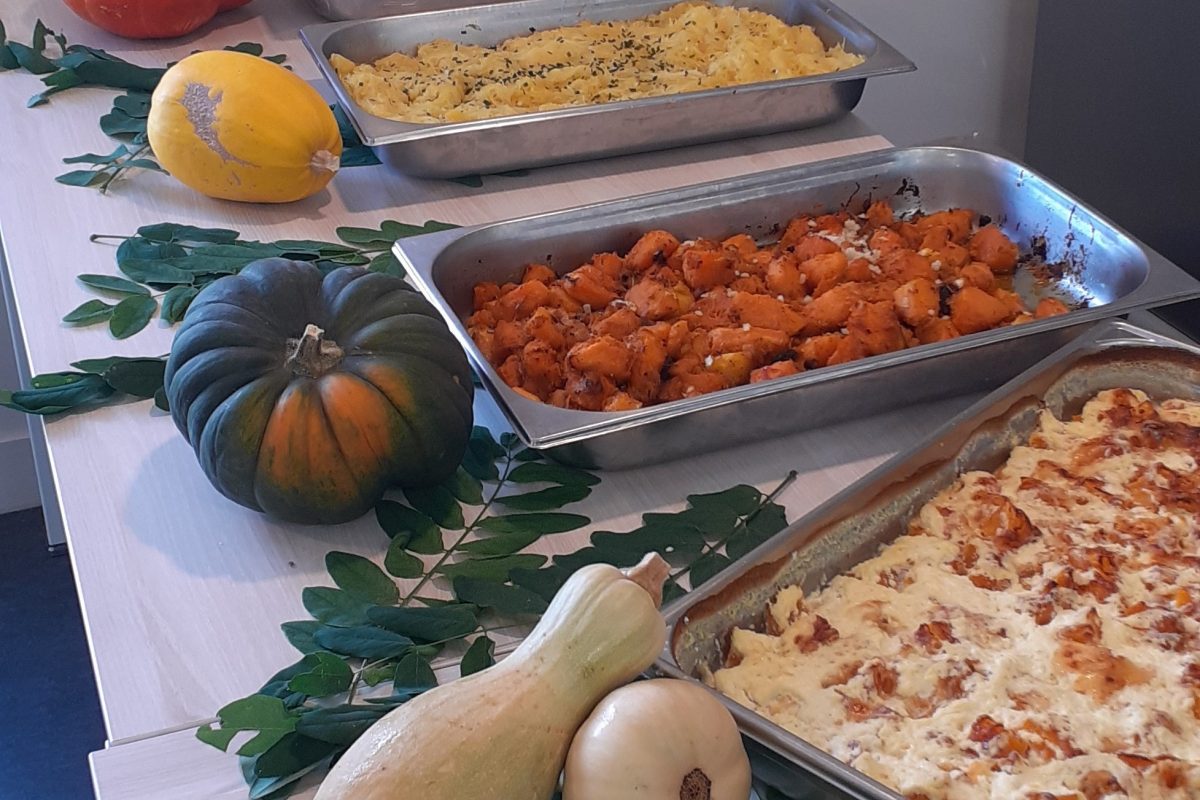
[
  {"x": 94, "y": 382},
  {"x": 462, "y": 547},
  {"x": 165, "y": 265}
]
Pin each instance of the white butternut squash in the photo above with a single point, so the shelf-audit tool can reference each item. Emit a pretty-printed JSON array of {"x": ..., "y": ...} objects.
[
  {"x": 503, "y": 733},
  {"x": 663, "y": 739}
]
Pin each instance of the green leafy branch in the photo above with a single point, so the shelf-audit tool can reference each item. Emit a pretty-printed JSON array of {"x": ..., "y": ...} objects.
[
  {"x": 463, "y": 545},
  {"x": 95, "y": 382},
  {"x": 164, "y": 266}
]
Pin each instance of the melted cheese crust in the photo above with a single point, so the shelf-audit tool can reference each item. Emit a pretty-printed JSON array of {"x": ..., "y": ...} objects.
[{"x": 1034, "y": 635}]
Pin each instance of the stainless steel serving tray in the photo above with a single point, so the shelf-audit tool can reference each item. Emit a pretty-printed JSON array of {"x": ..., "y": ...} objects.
[
  {"x": 853, "y": 525},
  {"x": 1108, "y": 269},
  {"x": 574, "y": 134},
  {"x": 371, "y": 9}
]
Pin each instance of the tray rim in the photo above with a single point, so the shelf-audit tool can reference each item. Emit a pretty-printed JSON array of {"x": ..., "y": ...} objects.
[
  {"x": 1102, "y": 337},
  {"x": 376, "y": 131},
  {"x": 418, "y": 254}
]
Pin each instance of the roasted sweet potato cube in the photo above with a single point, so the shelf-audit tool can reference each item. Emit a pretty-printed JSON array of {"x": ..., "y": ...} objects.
[
  {"x": 877, "y": 327},
  {"x": 993, "y": 248},
  {"x": 860, "y": 270},
  {"x": 587, "y": 391},
  {"x": 815, "y": 351},
  {"x": 797, "y": 228},
  {"x": 602, "y": 355},
  {"x": 652, "y": 300},
  {"x": 560, "y": 299},
  {"x": 483, "y": 293},
  {"x": 589, "y": 286},
  {"x": 763, "y": 311},
  {"x": 757, "y": 262},
  {"x": 823, "y": 272},
  {"x": 621, "y": 401},
  {"x": 705, "y": 269},
  {"x": 906, "y": 265},
  {"x": 973, "y": 310},
  {"x": 618, "y": 324},
  {"x": 780, "y": 369},
  {"x": 510, "y": 370},
  {"x": 543, "y": 327},
  {"x": 611, "y": 264},
  {"x": 483, "y": 318},
  {"x": 784, "y": 277},
  {"x": 812, "y": 246},
  {"x": 649, "y": 358},
  {"x": 849, "y": 348},
  {"x": 1011, "y": 299},
  {"x": 541, "y": 367},
  {"x": 879, "y": 214},
  {"x": 655, "y": 247},
  {"x": 761, "y": 344},
  {"x": 734, "y": 368},
  {"x": 742, "y": 244},
  {"x": 830, "y": 311},
  {"x": 831, "y": 223},
  {"x": 691, "y": 385},
  {"x": 936, "y": 329},
  {"x": 538, "y": 272},
  {"x": 509, "y": 338},
  {"x": 885, "y": 240},
  {"x": 916, "y": 301},
  {"x": 522, "y": 301},
  {"x": 677, "y": 338},
  {"x": 957, "y": 221},
  {"x": 485, "y": 340},
  {"x": 1050, "y": 307},
  {"x": 979, "y": 275}
]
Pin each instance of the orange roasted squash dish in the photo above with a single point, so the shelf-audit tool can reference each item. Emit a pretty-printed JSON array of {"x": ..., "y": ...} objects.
[{"x": 671, "y": 319}]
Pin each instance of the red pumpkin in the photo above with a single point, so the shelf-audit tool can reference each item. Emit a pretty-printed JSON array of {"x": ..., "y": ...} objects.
[{"x": 151, "y": 19}]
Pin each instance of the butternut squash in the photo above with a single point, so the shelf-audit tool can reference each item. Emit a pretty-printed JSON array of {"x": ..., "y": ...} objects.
[{"x": 503, "y": 733}]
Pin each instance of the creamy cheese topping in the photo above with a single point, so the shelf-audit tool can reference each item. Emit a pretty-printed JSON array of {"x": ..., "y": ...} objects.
[{"x": 1034, "y": 635}]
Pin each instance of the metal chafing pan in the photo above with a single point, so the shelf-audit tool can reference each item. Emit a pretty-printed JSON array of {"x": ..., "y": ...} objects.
[
  {"x": 593, "y": 131},
  {"x": 371, "y": 9},
  {"x": 1105, "y": 268},
  {"x": 853, "y": 525}
]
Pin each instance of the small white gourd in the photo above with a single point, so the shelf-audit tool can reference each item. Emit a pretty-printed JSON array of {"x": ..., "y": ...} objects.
[
  {"x": 503, "y": 733},
  {"x": 661, "y": 739}
]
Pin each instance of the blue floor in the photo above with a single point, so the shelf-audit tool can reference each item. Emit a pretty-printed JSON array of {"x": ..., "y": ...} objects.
[{"x": 48, "y": 704}]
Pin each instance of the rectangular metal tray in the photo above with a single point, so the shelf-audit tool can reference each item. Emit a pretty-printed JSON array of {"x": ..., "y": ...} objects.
[
  {"x": 853, "y": 525},
  {"x": 371, "y": 9},
  {"x": 1110, "y": 270},
  {"x": 583, "y": 132}
]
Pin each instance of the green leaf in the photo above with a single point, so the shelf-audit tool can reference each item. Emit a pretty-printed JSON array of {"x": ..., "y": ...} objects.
[
  {"x": 413, "y": 676},
  {"x": 770, "y": 520},
  {"x": 94, "y": 158},
  {"x": 360, "y": 576},
  {"x": 378, "y": 672},
  {"x": 335, "y": 607},
  {"x": 399, "y": 230},
  {"x": 500, "y": 545},
  {"x": 176, "y": 301},
  {"x": 481, "y": 455},
  {"x": 741, "y": 500},
  {"x": 419, "y": 533},
  {"x": 470, "y": 181},
  {"x": 552, "y": 473},
  {"x": 52, "y": 380},
  {"x": 300, "y": 634},
  {"x": 465, "y": 486},
  {"x": 175, "y": 232},
  {"x": 547, "y": 522},
  {"x": 31, "y": 60},
  {"x": 500, "y": 597},
  {"x": 161, "y": 402},
  {"x": 159, "y": 272},
  {"x": 111, "y": 283},
  {"x": 340, "y": 725},
  {"x": 706, "y": 567},
  {"x": 134, "y": 104},
  {"x": 425, "y": 624},
  {"x": 546, "y": 499},
  {"x": 386, "y": 263},
  {"x": 291, "y": 753},
  {"x": 400, "y": 563},
  {"x": 478, "y": 656},
  {"x": 132, "y": 315},
  {"x": 266, "y": 715},
  {"x": 363, "y": 236},
  {"x": 89, "y": 313},
  {"x": 324, "y": 674},
  {"x": 88, "y": 391},
  {"x": 99, "y": 366},
  {"x": 118, "y": 123},
  {"x": 82, "y": 177},
  {"x": 137, "y": 247},
  {"x": 363, "y": 641},
  {"x": 491, "y": 569},
  {"x": 139, "y": 377},
  {"x": 438, "y": 504}
]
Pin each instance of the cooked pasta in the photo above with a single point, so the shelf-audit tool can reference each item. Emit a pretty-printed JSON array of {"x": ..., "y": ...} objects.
[{"x": 688, "y": 47}]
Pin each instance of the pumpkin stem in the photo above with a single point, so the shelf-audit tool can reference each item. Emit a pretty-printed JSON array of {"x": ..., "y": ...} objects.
[
  {"x": 649, "y": 573},
  {"x": 695, "y": 786},
  {"x": 325, "y": 161},
  {"x": 312, "y": 354}
]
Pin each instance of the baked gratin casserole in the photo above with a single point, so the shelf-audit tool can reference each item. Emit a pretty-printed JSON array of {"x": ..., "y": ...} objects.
[{"x": 1033, "y": 635}]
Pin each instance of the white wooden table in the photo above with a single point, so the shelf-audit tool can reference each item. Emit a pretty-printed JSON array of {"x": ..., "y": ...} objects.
[{"x": 182, "y": 592}]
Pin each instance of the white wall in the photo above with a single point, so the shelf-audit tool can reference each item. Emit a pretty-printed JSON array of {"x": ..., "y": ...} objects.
[{"x": 974, "y": 60}]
